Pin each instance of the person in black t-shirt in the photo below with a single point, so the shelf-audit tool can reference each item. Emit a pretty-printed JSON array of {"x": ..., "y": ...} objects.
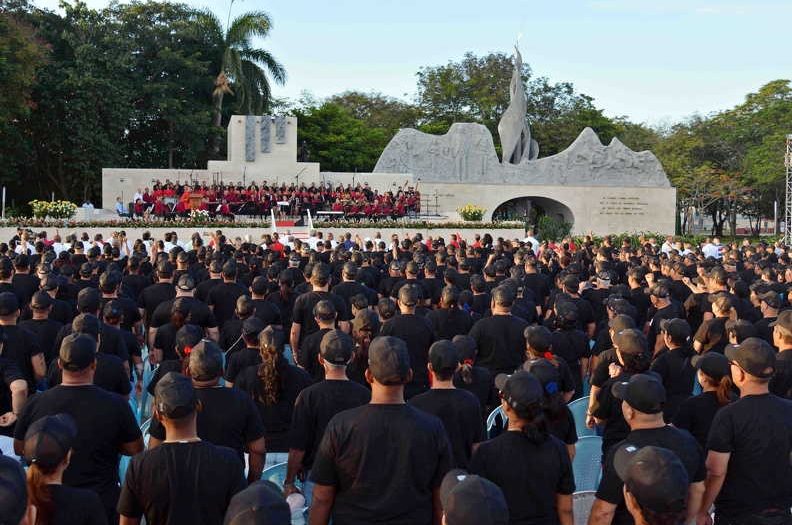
[
  {"x": 416, "y": 332},
  {"x": 655, "y": 484},
  {"x": 184, "y": 479},
  {"x": 317, "y": 404},
  {"x": 48, "y": 448},
  {"x": 560, "y": 421},
  {"x": 499, "y": 338},
  {"x": 186, "y": 338},
  {"x": 781, "y": 382},
  {"x": 673, "y": 364},
  {"x": 265, "y": 309},
  {"x": 249, "y": 354},
  {"x": 227, "y": 417},
  {"x": 696, "y": 413},
  {"x": 324, "y": 314},
  {"x": 664, "y": 308},
  {"x": 198, "y": 312},
  {"x": 105, "y": 422},
  {"x": 13, "y": 395},
  {"x": 642, "y": 398},
  {"x": 231, "y": 332},
  {"x": 19, "y": 345},
  {"x": 222, "y": 297},
  {"x": 538, "y": 345},
  {"x": 159, "y": 292},
  {"x": 711, "y": 335},
  {"x": 273, "y": 385},
  {"x": 531, "y": 466},
  {"x": 44, "y": 328},
  {"x": 23, "y": 283},
  {"x": 348, "y": 287},
  {"x": 449, "y": 320},
  {"x": 475, "y": 379},
  {"x": 215, "y": 278},
  {"x": 769, "y": 304},
  {"x": 303, "y": 322},
  {"x": 632, "y": 358},
  {"x": 749, "y": 475},
  {"x": 468, "y": 499},
  {"x": 383, "y": 461},
  {"x": 113, "y": 317},
  {"x": 459, "y": 410}
]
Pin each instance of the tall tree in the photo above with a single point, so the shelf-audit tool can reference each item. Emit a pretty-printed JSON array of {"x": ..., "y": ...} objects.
[{"x": 243, "y": 69}]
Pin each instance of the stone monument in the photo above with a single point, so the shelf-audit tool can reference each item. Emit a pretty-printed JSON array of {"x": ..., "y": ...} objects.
[{"x": 513, "y": 128}]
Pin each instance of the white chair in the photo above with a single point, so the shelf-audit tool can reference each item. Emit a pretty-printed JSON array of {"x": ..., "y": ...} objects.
[{"x": 581, "y": 506}]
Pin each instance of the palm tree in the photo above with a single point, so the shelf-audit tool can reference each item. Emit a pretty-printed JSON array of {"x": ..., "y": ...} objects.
[{"x": 243, "y": 68}]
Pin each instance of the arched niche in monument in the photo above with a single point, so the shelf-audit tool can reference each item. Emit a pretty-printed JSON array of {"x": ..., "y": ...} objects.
[{"x": 531, "y": 208}]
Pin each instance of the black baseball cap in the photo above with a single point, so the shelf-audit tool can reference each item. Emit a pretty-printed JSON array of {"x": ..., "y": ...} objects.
[
  {"x": 366, "y": 320},
  {"x": 49, "y": 283},
  {"x": 86, "y": 269},
  {"x": 677, "y": 329},
  {"x": 261, "y": 503},
  {"x": 77, "y": 352},
  {"x": 754, "y": 355},
  {"x": 9, "y": 303},
  {"x": 41, "y": 301},
  {"x": 164, "y": 269},
  {"x": 336, "y": 347},
  {"x": 643, "y": 392},
  {"x": 252, "y": 326},
  {"x": 546, "y": 373},
  {"x": 13, "y": 491},
  {"x": 206, "y": 361},
  {"x": 520, "y": 389},
  {"x": 89, "y": 299},
  {"x": 389, "y": 361},
  {"x": 655, "y": 476},
  {"x": 174, "y": 396},
  {"x": 713, "y": 364},
  {"x": 784, "y": 321},
  {"x": 468, "y": 499},
  {"x": 443, "y": 356},
  {"x": 185, "y": 283},
  {"x": 772, "y": 299},
  {"x": 49, "y": 439},
  {"x": 630, "y": 341}
]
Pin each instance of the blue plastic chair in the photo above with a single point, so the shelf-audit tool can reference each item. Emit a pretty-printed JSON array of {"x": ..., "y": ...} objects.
[
  {"x": 587, "y": 466},
  {"x": 579, "y": 407},
  {"x": 496, "y": 423},
  {"x": 276, "y": 474}
]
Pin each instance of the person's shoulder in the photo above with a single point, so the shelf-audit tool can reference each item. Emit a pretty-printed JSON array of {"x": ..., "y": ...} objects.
[
  {"x": 297, "y": 372},
  {"x": 79, "y": 497}
]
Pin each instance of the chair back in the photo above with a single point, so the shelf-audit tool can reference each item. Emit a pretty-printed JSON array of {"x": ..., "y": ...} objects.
[
  {"x": 581, "y": 505},
  {"x": 579, "y": 407},
  {"x": 587, "y": 465}
]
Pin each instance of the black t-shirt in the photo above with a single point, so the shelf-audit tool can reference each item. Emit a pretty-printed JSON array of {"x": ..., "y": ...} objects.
[
  {"x": 695, "y": 415},
  {"x": 674, "y": 439},
  {"x": 165, "y": 339},
  {"x": 757, "y": 431},
  {"x": 672, "y": 311},
  {"x": 167, "y": 365},
  {"x": 303, "y": 311},
  {"x": 315, "y": 407},
  {"x": 608, "y": 407},
  {"x": 678, "y": 374},
  {"x": 104, "y": 422},
  {"x": 268, "y": 312},
  {"x": 277, "y": 418},
  {"x": 529, "y": 473},
  {"x": 133, "y": 284},
  {"x": 449, "y": 322},
  {"x": 763, "y": 328},
  {"x": 641, "y": 302},
  {"x": 500, "y": 342},
  {"x": 600, "y": 374},
  {"x": 154, "y": 294},
  {"x": 384, "y": 461},
  {"x": 45, "y": 331},
  {"x": 563, "y": 426},
  {"x": 348, "y": 289},
  {"x": 228, "y": 418},
  {"x": 240, "y": 360},
  {"x": 481, "y": 385},
  {"x": 131, "y": 313},
  {"x": 417, "y": 333},
  {"x": 231, "y": 336},
  {"x": 110, "y": 374},
  {"x": 223, "y": 298},
  {"x": 20, "y": 346},
  {"x": 308, "y": 352},
  {"x": 539, "y": 285},
  {"x": 781, "y": 382},
  {"x": 203, "y": 289},
  {"x": 432, "y": 289},
  {"x": 178, "y": 483},
  {"x": 199, "y": 313},
  {"x": 9, "y": 373},
  {"x": 75, "y": 506},
  {"x": 25, "y": 285},
  {"x": 460, "y": 413},
  {"x": 712, "y": 335}
]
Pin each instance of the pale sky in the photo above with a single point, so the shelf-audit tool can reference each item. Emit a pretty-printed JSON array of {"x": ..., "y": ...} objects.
[{"x": 655, "y": 61}]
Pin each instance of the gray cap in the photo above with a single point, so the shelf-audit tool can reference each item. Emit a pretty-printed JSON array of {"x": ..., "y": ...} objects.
[
  {"x": 174, "y": 396},
  {"x": 206, "y": 361}
]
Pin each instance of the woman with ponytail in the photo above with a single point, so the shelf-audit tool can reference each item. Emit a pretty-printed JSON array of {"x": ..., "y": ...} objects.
[
  {"x": 539, "y": 345},
  {"x": 696, "y": 413},
  {"x": 187, "y": 337},
  {"x": 475, "y": 379},
  {"x": 165, "y": 337},
  {"x": 274, "y": 385},
  {"x": 560, "y": 421},
  {"x": 449, "y": 320},
  {"x": 365, "y": 327},
  {"x": 529, "y": 464},
  {"x": 48, "y": 444}
]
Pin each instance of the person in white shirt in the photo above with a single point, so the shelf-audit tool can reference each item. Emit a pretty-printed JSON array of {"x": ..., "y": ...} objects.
[
  {"x": 712, "y": 248},
  {"x": 668, "y": 245}
]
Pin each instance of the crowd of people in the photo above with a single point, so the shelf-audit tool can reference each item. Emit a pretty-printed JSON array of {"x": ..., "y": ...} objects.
[
  {"x": 177, "y": 199},
  {"x": 368, "y": 367}
]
